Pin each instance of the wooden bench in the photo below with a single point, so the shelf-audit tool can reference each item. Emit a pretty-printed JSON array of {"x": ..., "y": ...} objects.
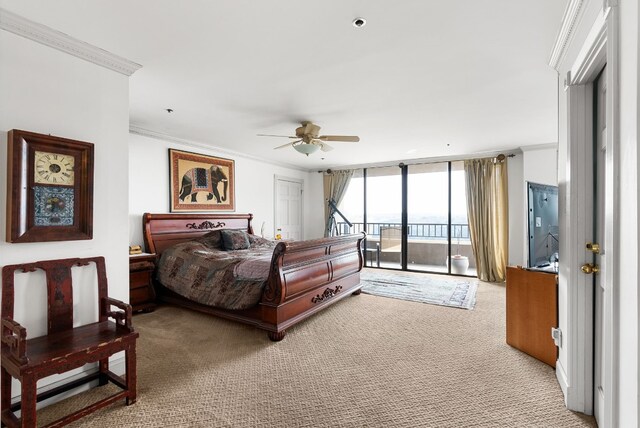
[{"x": 64, "y": 347}]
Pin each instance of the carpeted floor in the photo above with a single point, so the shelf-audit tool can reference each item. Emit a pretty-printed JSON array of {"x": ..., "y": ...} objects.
[
  {"x": 367, "y": 361},
  {"x": 444, "y": 290}
]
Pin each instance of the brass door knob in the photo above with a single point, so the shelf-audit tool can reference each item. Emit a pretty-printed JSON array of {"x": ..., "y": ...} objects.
[
  {"x": 593, "y": 247},
  {"x": 590, "y": 268}
]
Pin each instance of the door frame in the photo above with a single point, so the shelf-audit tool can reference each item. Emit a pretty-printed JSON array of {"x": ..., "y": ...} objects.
[
  {"x": 277, "y": 178},
  {"x": 576, "y": 380}
]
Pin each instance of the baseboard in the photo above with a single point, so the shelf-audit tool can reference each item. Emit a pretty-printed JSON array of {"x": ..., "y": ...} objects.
[
  {"x": 561, "y": 375},
  {"x": 572, "y": 398},
  {"x": 116, "y": 365}
]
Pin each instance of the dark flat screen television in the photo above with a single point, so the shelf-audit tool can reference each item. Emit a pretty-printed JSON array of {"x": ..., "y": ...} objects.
[{"x": 543, "y": 225}]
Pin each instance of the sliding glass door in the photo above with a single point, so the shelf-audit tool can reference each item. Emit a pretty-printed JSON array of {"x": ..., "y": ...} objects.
[
  {"x": 462, "y": 260},
  {"x": 415, "y": 217},
  {"x": 428, "y": 217},
  {"x": 384, "y": 215}
]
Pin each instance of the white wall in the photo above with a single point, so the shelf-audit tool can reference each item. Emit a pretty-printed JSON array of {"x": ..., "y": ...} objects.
[
  {"x": 50, "y": 92},
  {"x": 314, "y": 206},
  {"x": 149, "y": 186},
  {"x": 517, "y": 214},
  {"x": 540, "y": 164}
]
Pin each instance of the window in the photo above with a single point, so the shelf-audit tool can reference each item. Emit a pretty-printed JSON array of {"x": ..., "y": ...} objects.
[{"x": 430, "y": 234}]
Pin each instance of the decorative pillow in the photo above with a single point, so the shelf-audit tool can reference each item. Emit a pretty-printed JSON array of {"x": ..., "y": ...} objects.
[
  {"x": 234, "y": 239},
  {"x": 212, "y": 239}
]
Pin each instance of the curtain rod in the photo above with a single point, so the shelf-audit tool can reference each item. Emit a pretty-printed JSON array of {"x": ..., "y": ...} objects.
[{"x": 497, "y": 157}]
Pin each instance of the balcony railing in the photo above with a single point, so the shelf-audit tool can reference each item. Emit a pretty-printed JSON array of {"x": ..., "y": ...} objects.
[{"x": 415, "y": 230}]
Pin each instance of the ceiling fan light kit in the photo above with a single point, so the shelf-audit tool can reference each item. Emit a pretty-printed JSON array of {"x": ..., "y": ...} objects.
[{"x": 306, "y": 149}]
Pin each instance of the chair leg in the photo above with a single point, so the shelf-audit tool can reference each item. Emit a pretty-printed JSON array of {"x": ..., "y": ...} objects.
[
  {"x": 28, "y": 402},
  {"x": 130, "y": 356},
  {"x": 104, "y": 368},
  {"x": 5, "y": 391}
]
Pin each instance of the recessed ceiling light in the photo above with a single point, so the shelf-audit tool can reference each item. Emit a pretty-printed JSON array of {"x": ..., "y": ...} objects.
[
  {"x": 359, "y": 22},
  {"x": 411, "y": 151}
]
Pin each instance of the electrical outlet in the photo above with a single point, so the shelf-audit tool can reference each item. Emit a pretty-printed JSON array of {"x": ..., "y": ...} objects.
[{"x": 556, "y": 335}]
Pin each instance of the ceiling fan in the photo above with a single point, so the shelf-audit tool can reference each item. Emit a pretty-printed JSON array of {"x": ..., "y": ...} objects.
[{"x": 308, "y": 141}]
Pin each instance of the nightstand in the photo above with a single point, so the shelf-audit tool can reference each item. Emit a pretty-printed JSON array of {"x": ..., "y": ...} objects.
[{"x": 142, "y": 296}]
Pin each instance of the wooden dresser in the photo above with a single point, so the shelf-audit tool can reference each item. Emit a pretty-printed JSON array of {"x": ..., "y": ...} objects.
[
  {"x": 142, "y": 295},
  {"x": 532, "y": 310}
]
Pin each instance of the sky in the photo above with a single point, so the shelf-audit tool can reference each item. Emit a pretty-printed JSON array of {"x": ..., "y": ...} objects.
[{"x": 427, "y": 198}]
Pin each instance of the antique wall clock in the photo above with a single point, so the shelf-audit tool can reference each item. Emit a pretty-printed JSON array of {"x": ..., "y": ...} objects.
[{"x": 49, "y": 188}]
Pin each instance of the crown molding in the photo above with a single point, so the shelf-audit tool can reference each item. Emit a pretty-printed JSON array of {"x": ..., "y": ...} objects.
[
  {"x": 47, "y": 36},
  {"x": 569, "y": 20},
  {"x": 137, "y": 130},
  {"x": 534, "y": 147}
]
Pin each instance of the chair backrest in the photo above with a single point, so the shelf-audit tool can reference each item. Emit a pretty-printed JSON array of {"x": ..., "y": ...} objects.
[
  {"x": 391, "y": 239},
  {"x": 59, "y": 289}
]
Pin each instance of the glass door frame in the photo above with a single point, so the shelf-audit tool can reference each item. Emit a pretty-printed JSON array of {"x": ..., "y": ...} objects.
[
  {"x": 398, "y": 265},
  {"x": 405, "y": 220}
]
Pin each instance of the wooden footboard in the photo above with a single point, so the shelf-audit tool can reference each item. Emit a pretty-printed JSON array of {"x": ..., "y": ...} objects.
[
  {"x": 307, "y": 276},
  {"x": 304, "y": 278}
]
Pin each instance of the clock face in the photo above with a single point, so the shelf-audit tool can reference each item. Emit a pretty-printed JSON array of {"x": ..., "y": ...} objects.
[{"x": 54, "y": 168}]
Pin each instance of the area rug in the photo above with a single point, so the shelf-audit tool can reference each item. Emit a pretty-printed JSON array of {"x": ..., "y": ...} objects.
[{"x": 420, "y": 287}]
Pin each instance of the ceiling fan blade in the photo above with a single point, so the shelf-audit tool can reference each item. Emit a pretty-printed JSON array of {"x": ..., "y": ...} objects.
[
  {"x": 285, "y": 145},
  {"x": 271, "y": 135},
  {"x": 344, "y": 138},
  {"x": 325, "y": 147}
]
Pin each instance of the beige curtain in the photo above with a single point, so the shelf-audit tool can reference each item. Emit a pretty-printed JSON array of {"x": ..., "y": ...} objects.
[
  {"x": 487, "y": 208},
  {"x": 336, "y": 184}
]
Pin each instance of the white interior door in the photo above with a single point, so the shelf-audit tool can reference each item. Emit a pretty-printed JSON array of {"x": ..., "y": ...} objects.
[
  {"x": 601, "y": 288},
  {"x": 288, "y": 208}
]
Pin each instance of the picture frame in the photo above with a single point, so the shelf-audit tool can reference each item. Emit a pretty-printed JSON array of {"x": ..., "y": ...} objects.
[
  {"x": 200, "y": 182},
  {"x": 49, "y": 188}
]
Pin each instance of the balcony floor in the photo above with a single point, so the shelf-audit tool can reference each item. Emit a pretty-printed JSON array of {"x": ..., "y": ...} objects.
[{"x": 471, "y": 272}]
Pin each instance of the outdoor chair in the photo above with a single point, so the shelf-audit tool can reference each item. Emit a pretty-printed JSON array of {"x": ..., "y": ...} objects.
[{"x": 390, "y": 239}]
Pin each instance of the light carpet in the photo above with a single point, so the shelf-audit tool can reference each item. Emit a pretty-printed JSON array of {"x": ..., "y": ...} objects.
[
  {"x": 364, "y": 362},
  {"x": 444, "y": 290}
]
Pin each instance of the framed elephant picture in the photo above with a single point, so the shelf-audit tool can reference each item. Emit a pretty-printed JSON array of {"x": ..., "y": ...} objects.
[{"x": 201, "y": 182}]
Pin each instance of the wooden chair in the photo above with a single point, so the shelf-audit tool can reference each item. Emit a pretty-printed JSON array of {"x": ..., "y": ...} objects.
[{"x": 64, "y": 347}]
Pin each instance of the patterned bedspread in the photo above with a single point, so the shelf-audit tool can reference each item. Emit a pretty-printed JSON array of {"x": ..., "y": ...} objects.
[{"x": 215, "y": 277}]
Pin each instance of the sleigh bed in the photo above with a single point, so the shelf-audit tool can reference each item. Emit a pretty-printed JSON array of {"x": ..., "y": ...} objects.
[{"x": 303, "y": 277}]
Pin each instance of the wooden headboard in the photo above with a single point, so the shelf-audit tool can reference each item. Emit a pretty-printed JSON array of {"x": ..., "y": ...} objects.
[{"x": 164, "y": 230}]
